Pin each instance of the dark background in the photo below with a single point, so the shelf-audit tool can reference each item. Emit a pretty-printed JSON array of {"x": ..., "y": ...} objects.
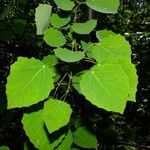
[{"x": 114, "y": 131}]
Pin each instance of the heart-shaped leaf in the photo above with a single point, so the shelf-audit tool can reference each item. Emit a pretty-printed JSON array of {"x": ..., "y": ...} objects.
[
  {"x": 29, "y": 82},
  {"x": 56, "y": 114}
]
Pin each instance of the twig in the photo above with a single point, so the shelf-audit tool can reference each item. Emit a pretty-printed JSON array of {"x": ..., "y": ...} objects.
[{"x": 59, "y": 84}]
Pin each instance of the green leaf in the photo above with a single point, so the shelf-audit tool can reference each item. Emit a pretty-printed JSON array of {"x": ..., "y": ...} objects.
[
  {"x": 106, "y": 86},
  {"x": 84, "y": 28},
  {"x": 130, "y": 71},
  {"x": 84, "y": 138},
  {"x": 104, "y": 6},
  {"x": 8, "y": 10},
  {"x": 50, "y": 60},
  {"x": 104, "y": 34},
  {"x": 4, "y": 148},
  {"x": 29, "y": 82},
  {"x": 19, "y": 26},
  {"x": 54, "y": 37},
  {"x": 68, "y": 55},
  {"x": 87, "y": 47},
  {"x": 56, "y": 114},
  {"x": 111, "y": 47},
  {"x": 58, "y": 22},
  {"x": 65, "y": 4},
  {"x": 34, "y": 128},
  {"x": 66, "y": 143},
  {"x": 42, "y": 17}
]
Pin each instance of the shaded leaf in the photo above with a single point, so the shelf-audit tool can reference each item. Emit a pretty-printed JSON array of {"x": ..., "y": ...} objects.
[
  {"x": 29, "y": 82},
  {"x": 58, "y": 22},
  {"x": 54, "y": 37},
  {"x": 84, "y": 28},
  {"x": 65, "y": 4},
  {"x": 68, "y": 55},
  {"x": 56, "y": 114},
  {"x": 42, "y": 17},
  {"x": 66, "y": 143},
  {"x": 84, "y": 138},
  {"x": 104, "y": 6},
  {"x": 34, "y": 128}
]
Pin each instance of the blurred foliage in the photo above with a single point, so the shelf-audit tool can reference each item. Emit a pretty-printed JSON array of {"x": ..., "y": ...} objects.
[{"x": 114, "y": 131}]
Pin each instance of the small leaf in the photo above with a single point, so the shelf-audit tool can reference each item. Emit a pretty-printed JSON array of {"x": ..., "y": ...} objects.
[
  {"x": 66, "y": 143},
  {"x": 100, "y": 86},
  {"x": 68, "y": 55},
  {"x": 65, "y": 4},
  {"x": 58, "y": 22},
  {"x": 56, "y": 114},
  {"x": 42, "y": 17},
  {"x": 111, "y": 47},
  {"x": 84, "y": 138},
  {"x": 104, "y": 34},
  {"x": 50, "y": 60},
  {"x": 104, "y": 6},
  {"x": 34, "y": 128},
  {"x": 84, "y": 28},
  {"x": 29, "y": 82},
  {"x": 54, "y": 37}
]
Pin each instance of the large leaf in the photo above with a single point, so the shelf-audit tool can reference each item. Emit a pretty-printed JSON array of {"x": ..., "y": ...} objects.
[
  {"x": 54, "y": 37},
  {"x": 111, "y": 47},
  {"x": 106, "y": 86},
  {"x": 130, "y": 71},
  {"x": 68, "y": 55},
  {"x": 34, "y": 128},
  {"x": 29, "y": 82},
  {"x": 84, "y": 28},
  {"x": 65, "y": 4},
  {"x": 104, "y": 6},
  {"x": 56, "y": 114},
  {"x": 84, "y": 138},
  {"x": 42, "y": 17},
  {"x": 58, "y": 22}
]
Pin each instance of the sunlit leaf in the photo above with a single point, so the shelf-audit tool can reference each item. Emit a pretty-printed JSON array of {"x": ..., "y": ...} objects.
[
  {"x": 54, "y": 37},
  {"x": 104, "y": 34},
  {"x": 104, "y": 6},
  {"x": 56, "y": 114},
  {"x": 111, "y": 47},
  {"x": 42, "y": 17},
  {"x": 29, "y": 82},
  {"x": 100, "y": 86},
  {"x": 84, "y": 28},
  {"x": 68, "y": 55}
]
